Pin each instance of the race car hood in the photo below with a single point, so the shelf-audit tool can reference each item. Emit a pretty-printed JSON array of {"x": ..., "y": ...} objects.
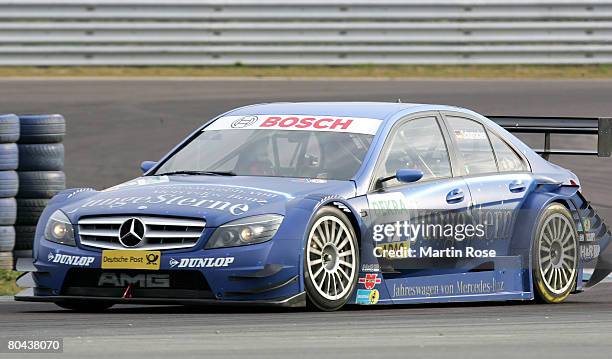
[{"x": 217, "y": 199}]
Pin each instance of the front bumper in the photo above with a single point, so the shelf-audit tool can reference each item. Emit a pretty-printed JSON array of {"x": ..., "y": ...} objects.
[{"x": 261, "y": 274}]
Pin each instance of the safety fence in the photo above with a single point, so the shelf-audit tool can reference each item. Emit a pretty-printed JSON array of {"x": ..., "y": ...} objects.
[{"x": 333, "y": 32}]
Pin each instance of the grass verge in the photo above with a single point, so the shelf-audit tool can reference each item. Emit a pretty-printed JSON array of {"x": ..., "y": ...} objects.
[
  {"x": 7, "y": 282},
  {"x": 359, "y": 71}
]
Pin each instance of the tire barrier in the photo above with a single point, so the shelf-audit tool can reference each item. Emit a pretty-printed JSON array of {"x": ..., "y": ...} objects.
[
  {"x": 42, "y": 128},
  {"x": 31, "y": 172},
  {"x": 9, "y": 186},
  {"x": 9, "y": 128},
  {"x": 29, "y": 210},
  {"x": 41, "y": 157},
  {"x": 8, "y": 156},
  {"x": 7, "y": 239},
  {"x": 24, "y": 237},
  {"x": 8, "y": 211},
  {"x": 40, "y": 184},
  {"x": 6, "y": 260}
]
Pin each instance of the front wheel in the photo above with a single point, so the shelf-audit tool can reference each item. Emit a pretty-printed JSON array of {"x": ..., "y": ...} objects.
[
  {"x": 331, "y": 260},
  {"x": 555, "y": 255}
]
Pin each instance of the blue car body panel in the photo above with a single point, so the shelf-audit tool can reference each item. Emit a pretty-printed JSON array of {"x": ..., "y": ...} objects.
[{"x": 272, "y": 272}]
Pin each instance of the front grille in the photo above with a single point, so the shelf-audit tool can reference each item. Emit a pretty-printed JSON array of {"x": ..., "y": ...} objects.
[{"x": 160, "y": 232}]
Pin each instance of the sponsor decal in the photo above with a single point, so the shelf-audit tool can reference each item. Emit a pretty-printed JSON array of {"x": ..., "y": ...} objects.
[
  {"x": 370, "y": 267},
  {"x": 243, "y": 122},
  {"x": 370, "y": 280},
  {"x": 385, "y": 205},
  {"x": 139, "y": 280},
  {"x": 367, "y": 126},
  {"x": 587, "y": 224},
  {"x": 67, "y": 259},
  {"x": 367, "y": 297},
  {"x": 470, "y": 135},
  {"x": 131, "y": 259},
  {"x": 141, "y": 181},
  {"x": 588, "y": 236},
  {"x": 210, "y": 262},
  {"x": 235, "y": 200},
  {"x": 233, "y": 208},
  {"x": 374, "y": 296},
  {"x": 589, "y": 251},
  {"x": 79, "y": 190},
  {"x": 458, "y": 287},
  {"x": 309, "y": 180}
]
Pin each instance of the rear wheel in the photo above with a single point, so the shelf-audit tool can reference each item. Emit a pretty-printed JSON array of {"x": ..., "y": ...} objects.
[
  {"x": 555, "y": 255},
  {"x": 84, "y": 306},
  {"x": 331, "y": 260}
]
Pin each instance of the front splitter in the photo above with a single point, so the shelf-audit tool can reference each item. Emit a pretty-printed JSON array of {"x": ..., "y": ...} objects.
[{"x": 298, "y": 300}]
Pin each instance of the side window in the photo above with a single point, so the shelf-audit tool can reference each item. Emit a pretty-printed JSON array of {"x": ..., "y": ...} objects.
[
  {"x": 507, "y": 159},
  {"x": 473, "y": 145},
  {"x": 417, "y": 144}
]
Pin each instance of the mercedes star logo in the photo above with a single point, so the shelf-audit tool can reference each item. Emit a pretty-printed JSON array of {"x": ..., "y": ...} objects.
[
  {"x": 131, "y": 232},
  {"x": 243, "y": 122}
]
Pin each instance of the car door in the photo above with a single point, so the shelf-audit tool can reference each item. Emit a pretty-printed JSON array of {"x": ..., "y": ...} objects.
[
  {"x": 497, "y": 176},
  {"x": 418, "y": 142}
]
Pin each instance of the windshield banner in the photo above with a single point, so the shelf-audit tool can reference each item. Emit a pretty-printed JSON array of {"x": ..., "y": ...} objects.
[{"x": 367, "y": 126}]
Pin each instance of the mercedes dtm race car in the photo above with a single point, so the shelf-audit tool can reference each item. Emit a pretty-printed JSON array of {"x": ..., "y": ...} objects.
[{"x": 328, "y": 204}]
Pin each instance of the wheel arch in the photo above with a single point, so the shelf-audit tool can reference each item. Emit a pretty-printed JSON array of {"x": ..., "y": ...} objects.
[
  {"x": 340, "y": 203},
  {"x": 529, "y": 216}
]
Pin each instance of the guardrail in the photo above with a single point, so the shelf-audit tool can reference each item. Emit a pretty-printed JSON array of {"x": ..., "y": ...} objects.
[{"x": 273, "y": 32}]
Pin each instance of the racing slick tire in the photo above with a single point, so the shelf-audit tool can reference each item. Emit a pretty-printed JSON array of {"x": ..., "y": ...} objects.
[
  {"x": 8, "y": 211},
  {"x": 40, "y": 184},
  {"x": 41, "y": 157},
  {"x": 9, "y": 128},
  {"x": 331, "y": 260},
  {"x": 7, "y": 238},
  {"x": 555, "y": 255},
  {"x": 24, "y": 237},
  {"x": 42, "y": 128},
  {"x": 29, "y": 210},
  {"x": 9, "y": 156},
  {"x": 9, "y": 184},
  {"x": 84, "y": 306}
]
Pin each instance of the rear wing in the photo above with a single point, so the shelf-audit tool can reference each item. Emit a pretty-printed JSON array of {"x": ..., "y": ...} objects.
[{"x": 601, "y": 127}]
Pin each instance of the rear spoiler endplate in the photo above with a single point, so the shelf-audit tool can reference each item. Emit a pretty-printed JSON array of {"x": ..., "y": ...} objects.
[{"x": 599, "y": 126}]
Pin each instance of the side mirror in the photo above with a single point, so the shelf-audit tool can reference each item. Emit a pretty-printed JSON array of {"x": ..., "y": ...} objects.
[
  {"x": 405, "y": 175},
  {"x": 408, "y": 175},
  {"x": 145, "y": 166}
]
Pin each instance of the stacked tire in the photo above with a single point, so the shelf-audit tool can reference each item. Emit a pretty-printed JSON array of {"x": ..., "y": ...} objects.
[
  {"x": 40, "y": 171},
  {"x": 9, "y": 185}
]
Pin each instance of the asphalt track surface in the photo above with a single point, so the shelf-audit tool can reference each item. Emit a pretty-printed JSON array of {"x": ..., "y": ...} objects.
[
  {"x": 579, "y": 328},
  {"x": 113, "y": 125}
]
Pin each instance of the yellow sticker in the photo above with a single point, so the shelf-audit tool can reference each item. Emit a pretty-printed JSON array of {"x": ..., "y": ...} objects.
[
  {"x": 128, "y": 259},
  {"x": 394, "y": 250},
  {"x": 587, "y": 224},
  {"x": 374, "y": 295}
]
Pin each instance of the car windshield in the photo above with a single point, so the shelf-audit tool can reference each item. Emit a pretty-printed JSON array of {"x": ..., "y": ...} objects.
[{"x": 271, "y": 152}]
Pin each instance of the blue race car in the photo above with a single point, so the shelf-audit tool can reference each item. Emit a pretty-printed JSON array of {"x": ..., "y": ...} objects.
[{"x": 328, "y": 204}]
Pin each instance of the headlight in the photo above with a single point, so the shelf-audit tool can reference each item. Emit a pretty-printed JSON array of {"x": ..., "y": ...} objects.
[
  {"x": 59, "y": 229},
  {"x": 250, "y": 230}
]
